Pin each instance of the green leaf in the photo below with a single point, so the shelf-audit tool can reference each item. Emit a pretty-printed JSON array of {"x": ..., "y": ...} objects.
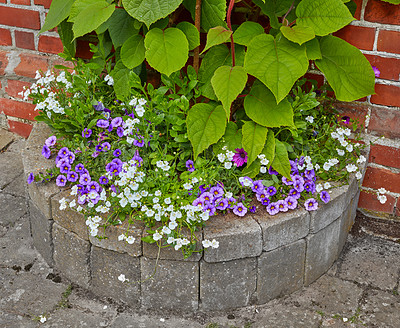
[
  {"x": 347, "y": 70},
  {"x": 228, "y": 82},
  {"x": 323, "y": 16},
  {"x": 261, "y": 107},
  {"x": 233, "y": 136},
  {"x": 246, "y": 32},
  {"x": 215, "y": 36},
  {"x": 92, "y": 17},
  {"x": 395, "y": 2},
  {"x": 150, "y": 11},
  {"x": 278, "y": 63},
  {"x": 133, "y": 51},
  {"x": 252, "y": 170},
  {"x": 298, "y": 34},
  {"x": 67, "y": 37},
  {"x": 281, "y": 160},
  {"x": 59, "y": 10},
  {"x": 120, "y": 74},
  {"x": 313, "y": 50},
  {"x": 166, "y": 51},
  {"x": 269, "y": 148},
  {"x": 274, "y": 9},
  {"x": 121, "y": 27},
  {"x": 253, "y": 141},
  {"x": 78, "y": 7},
  {"x": 192, "y": 35},
  {"x": 213, "y": 12},
  {"x": 205, "y": 125}
]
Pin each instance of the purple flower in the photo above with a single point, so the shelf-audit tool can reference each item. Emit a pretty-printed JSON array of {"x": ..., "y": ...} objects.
[
  {"x": 291, "y": 202},
  {"x": 311, "y": 204},
  {"x": 298, "y": 183},
  {"x": 262, "y": 195},
  {"x": 266, "y": 201},
  {"x": 103, "y": 180},
  {"x": 86, "y": 133},
  {"x": 272, "y": 171},
  {"x": 80, "y": 189},
  {"x": 240, "y": 157},
  {"x": 231, "y": 202},
  {"x": 190, "y": 165},
  {"x": 206, "y": 197},
  {"x": 294, "y": 193},
  {"x": 325, "y": 197},
  {"x": 137, "y": 158},
  {"x": 62, "y": 161},
  {"x": 31, "y": 178},
  {"x": 239, "y": 209},
  {"x": 217, "y": 191},
  {"x": 283, "y": 207},
  {"x": 102, "y": 124},
  {"x": 93, "y": 185},
  {"x": 99, "y": 107},
  {"x": 117, "y": 152},
  {"x": 138, "y": 143},
  {"x": 286, "y": 181},
  {"x": 221, "y": 204},
  {"x": 272, "y": 209},
  {"x": 63, "y": 152},
  {"x": 116, "y": 122},
  {"x": 85, "y": 179},
  {"x": 50, "y": 141},
  {"x": 198, "y": 201},
  {"x": 204, "y": 188},
  {"x": 271, "y": 191},
  {"x": 79, "y": 168},
  {"x": 95, "y": 154},
  {"x": 106, "y": 146},
  {"x": 72, "y": 176},
  {"x": 99, "y": 148},
  {"x": 346, "y": 119},
  {"x": 120, "y": 132},
  {"x": 65, "y": 167},
  {"x": 252, "y": 209},
  {"x": 257, "y": 186},
  {"x": 112, "y": 168},
  {"x": 309, "y": 186},
  {"x": 377, "y": 72},
  {"x": 61, "y": 180},
  {"x": 210, "y": 208},
  {"x": 309, "y": 174},
  {"x": 46, "y": 152}
]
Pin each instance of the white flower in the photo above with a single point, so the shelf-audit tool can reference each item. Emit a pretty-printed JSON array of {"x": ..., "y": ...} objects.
[
  {"x": 121, "y": 237},
  {"x": 333, "y": 161},
  {"x": 130, "y": 240},
  {"x": 382, "y": 199},
  {"x": 310, "y": 119},
  {"x": 166, "y": 230},
  {"x": 195, "y": 180},
  {"x": 349, "y": 148},
  {"x": 340, "y": 151},
  {"x": 327, "y": 185},
  {"x": 228, "y": 165},
  {"x": 157, "y": 236},
  {"x": 358, "y": 175},
  {"x": 382, "y": 191},
  {"x": 221, "y": 157},
  {"x": 319, "y": 187},
  {"x": 187, "y": 186},
  {"x": 170, "y": 240},
  {"x": 157, "y": 193},
  {"x": 214, "y": 244},
  {"x": 307, "y": 159},
  {"x": 42, "y": 319},
  {"x": 334, "y": 135},
  {"x": 263, "y": 169},
  {"x": 309, "y": 166},
  {"x": 109, "y": 80},
  {"x": 206, "y": 243},
  {"x": 172, "y": 225},
  {"x": 326, "y": 166},
  {"x": 264, "y": 161},
  {"x": 122, "y": 278},
  {"x": 361, "y": 159},
  {"x": 228, "y": 194},
  {"x": 351, "y": 168},
  {"x": 167, "y": 200}
]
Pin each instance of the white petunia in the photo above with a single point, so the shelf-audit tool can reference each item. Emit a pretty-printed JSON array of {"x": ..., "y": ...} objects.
[
  {"x": 263, "y": 169},
  {"x": 130, "y": 240},
  {"x": 340, "y": 151},
  {"x": 327, "y": 185},
  {"x": 310, "y": 119},
  {"x": 351, "y": 168},
  {"x": 382, "y": 191},
  {"x": 121, "y": 237},
  {"x": 358, "y": 175},
  {"x": 228, "y": 165},
  {"x": 382, "y": 199},
  {"x": 157, "y": 236}
]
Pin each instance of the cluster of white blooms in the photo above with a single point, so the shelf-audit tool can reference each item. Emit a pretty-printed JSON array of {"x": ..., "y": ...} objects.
[
  {"x": 93, "y": 223},
  {"x": 138, "y": 104},
  {"x": 163, "y": 165},
  {"x": 264, "y": 162},
  {"x": 129, "y": 126},
  {"x": 207, "y": 243},
  {"x": 310, "y": 119},
  {"x": 381, "y": 195},
  {"x": 226, "y": 158},
  {"x": 331, "y": 162},
  {"x": 109, "y": 80},
  {"x": 319, "y": 187},
  {"x": 128, "y": 239}
]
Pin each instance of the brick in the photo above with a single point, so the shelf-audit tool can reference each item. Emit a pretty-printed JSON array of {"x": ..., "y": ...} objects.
[
  {"x": 385, "y": 122},
  {"x": 17, "y": 109},
  {"x": 382, "y": 12},
  {"x": 50, "y": 44},
  {"x": 369, "y": 201},
  {"x": 359, "y": 36},
  {"x": 388, "y": 156},
  {"x": 3, "y": 61},
  {"x": 14, "y": 87},
  {"x": 376, "y": 178},
  {"x": 20, "y": 128},
  {"x": 397, "y": 209},
  {"x": 30, "y": 64},
  {"x": 24, "y": 40},
  {"x": 5, "y": 37},
  {"x": 357, "y": 14},
  {"x": 83, "y": 50},
  {"x": 355, "y": 111},
  {"x": 316, "y": 77},
  {"x": 19, "y": 17},
  {"x": 45, "y": 3},
  {"x": 21, "y": 2},
  {"x": 389, "y": 67},
  {"x": 389, "y": 41}
]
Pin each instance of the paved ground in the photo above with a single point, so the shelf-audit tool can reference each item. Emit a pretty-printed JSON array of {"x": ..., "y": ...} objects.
[{"x": 360, "y": 290}]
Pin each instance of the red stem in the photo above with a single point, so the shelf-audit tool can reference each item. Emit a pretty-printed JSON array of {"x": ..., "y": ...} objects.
[
  {"x": 197, "y": 20},
  {"x": 228, "y": 18}
]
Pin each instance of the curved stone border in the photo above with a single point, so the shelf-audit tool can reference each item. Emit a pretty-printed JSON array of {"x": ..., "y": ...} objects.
[{"x": 260, "y": 257}]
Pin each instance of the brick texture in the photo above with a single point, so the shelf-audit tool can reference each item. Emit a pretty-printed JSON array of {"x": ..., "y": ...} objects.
[
  {"x": 23, "y": 129},
  {"x": 382, "y": 12},
  {"x": 359, "y": 36},
  {"x": 24, "y": 40},
  {"x": 387, "y": 95},
  {"x": 357, "y": 14},
  {"x": 15, "y": 86},
  {"x": 19, "y": 17},
  {"x": 371, "y": 202},
  {"x": 30, "y": 63},
  {"x": 389, "y": 67},
  {"x": 389, "y": 41},
  {"x": 18, "y": 109},
  {"x": 50, "y": 44},
  {"x": 3, "y": 61},
  {"x": 383, "y": 155},
  {"x": 354, "y": 111},
  {"x": 385, "y": 122},
  {"x": 45, "y": 3},
  {"x": 376, "y": 178},
  {"x": 21, "y": 2},
  {"x": 5, "y": 37}
]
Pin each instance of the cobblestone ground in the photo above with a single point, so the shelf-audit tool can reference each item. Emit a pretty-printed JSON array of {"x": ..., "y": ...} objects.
[{"x": 360, "y": 290}]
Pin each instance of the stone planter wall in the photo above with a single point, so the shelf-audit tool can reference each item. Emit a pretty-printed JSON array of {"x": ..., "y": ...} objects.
[{"x": 260, "y": 257}]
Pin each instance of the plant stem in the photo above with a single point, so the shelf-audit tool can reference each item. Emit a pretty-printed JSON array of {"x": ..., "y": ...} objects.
[
  {"x": 197, "y": 17},
  {"x": 290, "y": 9},
  {"x": 228, "y": 18}
]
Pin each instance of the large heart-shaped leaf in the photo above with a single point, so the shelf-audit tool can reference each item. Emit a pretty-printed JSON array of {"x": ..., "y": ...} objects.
[
  {"x": 233, "y": 136},
  {"x": 298, "y": 34},
  {"x": 323, "y": 16},
  {"x": 277, "y": 63},
  {"x": 261, "y": 107},
  {"x": 228, "y": 82},
  {"x": 205, "y": 125},
  {"x": 281, "y": 160},
  {"x": 150, "y": 11},
  {"x": 121, "y": 27},
  {"x": 213, "y": 12},
  {"x": 120, "y": 74},
  {"x": 269, "y": 148},
  {"x": 253, "y": 141},
  {"x": 215, "y": 36},
  {"x": 166, "y": 51},
  {"x": 246, "y": 32},
  {"x": 133, "y": 51},
  {"x": 313, "y": 49},
  {"x": 192, "y": 35},
  {"x": 347, "y": 70},
  {"x": 59, "y": 10}
]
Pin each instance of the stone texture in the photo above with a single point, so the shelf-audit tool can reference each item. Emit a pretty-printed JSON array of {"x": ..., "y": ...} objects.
[
  {"x": 112, "y": 243},
  {"x": 106, "y": 266},
  {"x": 68, "y": 218},
  {"x": 71, "y": 255},
  {"x": 280, "y": 271},
  {"x": 322, "y": 251},
  {"x": 41, "y": 228},
  {"x": 13, "y": 207},
  {"x": 347, "y": 221},
  {"x": 71, "y": 318},
  {"x": 327, "y": 213},
  {"x": 238, "y": 237},
  {"x": 370, "y": 262},
  {"x": 9, "y": 172},
  {"x": 17, "y": 187},
  {"x": 175, "y": 285},
  {"x": 135, "y": 320},
  {"x": 227, "y": 285},
  {"x": 283, "y": 228},
  {"x": 41, "y": 193},
  {"x": 6, "y": 138}
]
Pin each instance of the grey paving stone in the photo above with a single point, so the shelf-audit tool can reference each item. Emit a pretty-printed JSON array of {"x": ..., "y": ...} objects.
[
  {"x": 175, "y": 285},
  {"x": 106, "y": 266},
  {"x": 74, "y": 318},
  {"x": 6, "y": 138},
  {"x": 136, "y": 320},
  {"x": 12, "y": 320},
  {"x": 322, "y": 251},
  {"x": 238, "y": 237},
  {"x": 370, "y": 261},
  {"x": 17, "y": 187},
  {"x": 41, "y": 228},
  {"x": 227, "y": 285},
  {"x": 283, "y": 228},
  {"x": 71, "y": 255},
  {"x": 9, "y": 172},
  {"x": 280, "y": 271},
  {"x": 12, "y": 207}
]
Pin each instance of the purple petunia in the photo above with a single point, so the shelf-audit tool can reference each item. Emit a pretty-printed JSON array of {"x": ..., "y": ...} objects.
[
  {"x": 99, "y": 107},
  {"x": 120, "y": 132},
  {"x": 309, "y": 186},
  {"x": 102, "y": 124},
  {"x": 207, "y": 197},
  {"x": 311, "y": 204},
  {"x": 61, "y": 180},
  {"x": 63, "y": 152},
  {"x": 93, "y": 185},
  {"x": 99, "y": 148},
  {"x": 46, "y": 152},
  {"x": 138, "y": 143},
  {"x": 116, "y": 122},
  {"x": 80, "y": 168},
  {"x": 294, "y": 193},
  {"x": 240, "y": 157},
  {"x": 377, "y": 72},
  {"x": 272, "y": 209},
  {"x": 286, "y": 181},
  {"x": 217, "y": 191},
  {"x": 31, "y": 178},
  {"x": 103, "y": 179},
  {"x": 252, "y": 209},
  {"x": 72, "y": 176},
  {"x": 221, "y": 204},
  {"x": 271, "y": 191},
  {"x": 70, "y": 157},
  {"x": 257, "y": 186},
  {"x": 239, "y": 209},
  {"x": 85, "y": 179},
  {"x": 282, "y": 205},
  {"x": 291, "y": 202},
  {"x": 86, "y": 133},
  {"x": 50, "y": 141},
  {"x": 190, "y": 165},
  {"x": 210, "y": 208},
  {"x": 346, "y": 119},
  {"x": 325, "y": 197},
  {"x": 106, "y": 146},
  {"x": 272, "y": 171},
  {"x": 117, "y": 152},
  {"x": 137, "y": 158},
  {"x": 65, "y": 167}
]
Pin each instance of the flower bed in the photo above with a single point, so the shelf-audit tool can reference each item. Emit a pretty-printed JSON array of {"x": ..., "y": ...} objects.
[{"x": 260, "y": 257}]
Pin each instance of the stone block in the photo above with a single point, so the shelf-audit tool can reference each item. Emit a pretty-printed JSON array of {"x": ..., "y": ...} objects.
[
  {"x": 68, "y": 218},
  {"x": 112, "y": 243},
  {"x": 327, "y": 213},
  {"x": 238, "y": 237},
  {"x": 174, "y": 285},
  {"x": 12, "y": 208},
  {"x": 71, "y": 255},
  {"x": 41, "y": 228},
  {"x": 106, "y": 266},
  {"x": 9, "y": 172},
  {"x": 227, "y": 285},
  {"x": 280, "y": 271},
  {"x": 40, "y": 193},
  {"x": 283, "y": 228},
  {"x": 322, "y": 251}
]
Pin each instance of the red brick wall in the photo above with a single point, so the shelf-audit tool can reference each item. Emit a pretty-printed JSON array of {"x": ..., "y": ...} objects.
[{"x": 376, "y": 33}]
